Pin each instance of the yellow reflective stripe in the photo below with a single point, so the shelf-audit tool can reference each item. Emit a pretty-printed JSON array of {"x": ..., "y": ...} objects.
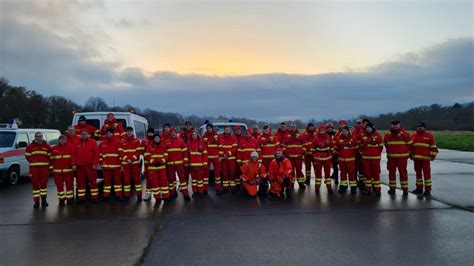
[
  {"x": 27, "y": 154},
  {"x": 421, "y": 144},
  {"x": 323, "y": 158},
  {"x": 157, "y": 156},
  {"x": 131, "y": 150},
  {"x": 62, "y": 170},
  {"x": 39, "y": 152},
  {"x": 195, "y": 153},
  {"x": 110, "y": 165},
  {"x": 421, "y": 157},
  {"x": 156, "y": 167},
  {"x": 433, "y": 146},
  {"x": 371, "y": 157},
  {"x": 227, "y": 146},
  {"x": 110, "y": 155},
  {"x": 212, "y": 145},
  {"x": 294, "y": 146},
  {"x": 398, "y": 154},
  {"x": 268, "y": 156},
  {"x": 249, "y": 149},
  {"x": 173, "y": 149},
  {"x": 268, "y": 145},
  {"x": 175, "y": 162},
  {"x": 374, "y": 145},
  {"x": 347, "y": 159},
  {"x": 294, "y": 156},
  {"x": 397, "y": 143},
  {"x": 212, "y": 156},
  {"x": 323, "y": 149},
  {"x": 39, "y": 164}
]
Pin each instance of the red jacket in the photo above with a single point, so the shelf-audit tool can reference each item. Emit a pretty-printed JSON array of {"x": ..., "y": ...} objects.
[
  {"x": 72, "y": 140},
  {"x": 370, "y": 146},
  {"x": 253, "y": 171},
  {"x": 268, "y": 145},
  {"x": 186, "y": 134},
  {"x": 109, "y": 153},
  {"x": 61, "y": 158},
  {"x": 229, "y": 146},
  {"x": 346, "y": 148},
  {"x": 130, "y": 149},
  {"x": 156, "y": 157},
  {"x": 247, "y": 145},
  {"x": 213, "y": 144},
  {"x": 165, "y": 137},
  {"x": 177, "y": 152},
  {"x": 93, "y": 132},
  {"x": 85, "y": 152},
  {"x": 279, "y": 170},
  {"x": 309, "y": 136},
  {"x": 38, "y": 154},
  {"x": 294, "y": 144},
  {"x": 424, "y": 146},
  {"x": 322, "y": 147},
  {"x": 280, "y": 134},
  {"x": 197, "y": 153},
  {"x": 397, "y": 144},
  {"x": 119, "y": 132}
]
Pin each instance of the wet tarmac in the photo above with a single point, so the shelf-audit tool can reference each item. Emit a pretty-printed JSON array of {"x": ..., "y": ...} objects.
[{"x": 308, "y": 229}]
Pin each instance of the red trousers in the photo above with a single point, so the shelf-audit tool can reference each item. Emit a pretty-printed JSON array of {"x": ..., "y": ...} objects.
[
  {"x": 308, "y": 162},
  {"x": 85, "y": 174},
  {"x": 148, "y": 186},
  {"x": 276, "y": 187},
  {"x": 423, "y": 170},
  {"x": 197, "y": 179},
  {"x": 131, "y": 171},
  {"x": 39, "y": 180},
  {"x": 159, "y": 184},
  {"x": 347, "y": 169},
  {"x": 401, "y": 164},
  {"x": 172, "y": 170},
  {"x": 297, "y": 163},
  {"x": 217, "y": 173},
  {"x": 61, "y": 180},
  {"x": 319, "y": 166},
  {"x": 372, "y": 174},
  {"x": 228, "y": 172},
  {"x": 114, "y": 174},
  {"x": 250, "y": 188}
]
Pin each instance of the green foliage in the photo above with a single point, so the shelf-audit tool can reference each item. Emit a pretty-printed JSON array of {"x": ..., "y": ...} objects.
[{"x": 455, "y": 140}]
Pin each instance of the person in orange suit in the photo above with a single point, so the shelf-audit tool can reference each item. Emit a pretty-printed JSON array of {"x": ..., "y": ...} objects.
[
  {"x": 346, "y": 148},
  {"x": 156, "y": 157},
  {"x": 111, "y": 122},
  {"x": 85, "y": 160},
  {"x": 130, "y": 151},
  {"x": 268, "y": 145},
  {"x": 322, "y": 148},
  {"x": 228, "y": 160},
  {"x": 177, "y": 159},
  {"x": 253, "y": 172},
  {"x": 280, "y": 175},
  {"x": 309, "y": 135},
  {"x": 398, "y": 146},
  {"x": 61, "y": 167},
  {"x": 423, "y": 152},
  {"x": 197, "y": 162},
  {"x": 294, "y": 147},
  {"x": 37, "y": 154},
  {"x": 109, "y": 160},
  {"x": 371, "y": 146},
  {"x": 83, "y": 126}
]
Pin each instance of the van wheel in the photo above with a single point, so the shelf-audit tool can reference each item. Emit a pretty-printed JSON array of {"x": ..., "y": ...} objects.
[{"x": 14, "y": 176}]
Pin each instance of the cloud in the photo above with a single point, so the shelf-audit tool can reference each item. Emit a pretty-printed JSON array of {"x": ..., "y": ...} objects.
[{"x": 53, "y": 58}]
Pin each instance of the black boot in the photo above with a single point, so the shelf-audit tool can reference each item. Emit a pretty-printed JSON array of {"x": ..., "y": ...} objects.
[
  {"x": 417, "y": 191},
  {"x": 302, "y": 186},
  {"x": 61, "y": 203},
  {"x": 308, "y": 180},
  {"x": 353, "y": 190},
  {"x": 205, "y": 193},
  {"x": 391, "y": 191},
  {"x": 366, "y": 192},
  {"x": 139, "y": 199},
  {"x": 44, "y": 203},
  {"x": 330, "y": 191},
  {"x": 342, "y": 189},
  {"x": 36, "y": 205},
  {"x": 218, "y": 192},
  {"x": 288, "y": 193},
  {"x": 378, "y": 194},
  {"x": 187, "y": 197},
  {"x": 427, "y": 193},
  {"x": 316, "y": 190},
  {"x": 405, "y": 192}
]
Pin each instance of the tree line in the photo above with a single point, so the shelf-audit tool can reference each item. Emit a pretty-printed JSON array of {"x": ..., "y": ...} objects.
[{"x": 32, "y": 110}]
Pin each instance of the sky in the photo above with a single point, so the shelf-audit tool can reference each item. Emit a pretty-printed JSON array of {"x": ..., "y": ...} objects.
[{"x": 261, "y": 59}]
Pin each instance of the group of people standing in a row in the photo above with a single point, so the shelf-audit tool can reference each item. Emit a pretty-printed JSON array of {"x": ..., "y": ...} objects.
[{"x": 261, "y": 162}]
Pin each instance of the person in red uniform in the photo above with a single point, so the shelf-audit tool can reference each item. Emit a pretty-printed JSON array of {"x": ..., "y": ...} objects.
[
  {"x": 111, "y": 122},
  {"x": 85, "y": 159},
  {"x": 424, "y": 151},
  {"x": 71, "y": 137},
  {"x": 156, "y": 157},
  {"x": 213, "y": 144},
  {"x": 397, "y": 145},
  {"x": 109, "y": 160},
  {"x": 281, "y": 133},
  {"x": 240, "y": 138},
  {"x": 188, "y": 129},
  {"x": 346, "y": 148},
  {"x": 371, "y": 146},
  {"x": 268, "y": 146},
  {"x": 309, "y": 135},
  {"x": 61, "y": 167},
  {"x": 294, "y": 148},
  {"x": 228, "y": 160},
  {"x": 130, "y": 151},
  {"x": 197, "y": 162},
  {"x": 255, "y": 132},
  {"x": 359, "y": 131},
  {"x": 335, "y": 167},
  {"x": 166, "y": 133},
  {"x": 322, "y": 148},
  {"x": 280, "y": 175},
  {"x": 147, "y": 141},
  {"x": 83, "y": 126},
  {"x": 253, "y": 172},
  {"x": 247, "y": 145},
  {"x": 341, "y": 125},
  {"x": 37, "y": 154},
  {"x": 177, "y": 159}
]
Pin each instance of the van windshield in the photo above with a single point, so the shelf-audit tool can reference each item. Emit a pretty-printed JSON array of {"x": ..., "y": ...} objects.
[{"x": 6, "y": 139}]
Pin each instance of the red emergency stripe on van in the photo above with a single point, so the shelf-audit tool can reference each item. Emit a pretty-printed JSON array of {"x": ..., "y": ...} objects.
[{"x": 17, "y": 152}]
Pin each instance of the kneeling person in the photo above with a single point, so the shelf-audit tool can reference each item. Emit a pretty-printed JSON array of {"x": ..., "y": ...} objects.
[
  {"x": 252, "y": 173},
  {"x": 280, "y": 175}
]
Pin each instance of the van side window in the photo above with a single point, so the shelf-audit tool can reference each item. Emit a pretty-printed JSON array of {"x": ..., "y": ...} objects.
[
  {"x": 93, "y": 122},
  {"x": 22, "y": 137},
  {"x": 52, "y": 138},
  {"x": 140, "y": 129},
  {"x": 123, "y": 122}
]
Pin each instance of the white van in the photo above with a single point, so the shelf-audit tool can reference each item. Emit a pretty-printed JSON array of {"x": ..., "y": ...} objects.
[
  {"x": 13, "y": 142},
  {"x": 219, "y": 127},
  {"x": 127, "y": 119}
]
